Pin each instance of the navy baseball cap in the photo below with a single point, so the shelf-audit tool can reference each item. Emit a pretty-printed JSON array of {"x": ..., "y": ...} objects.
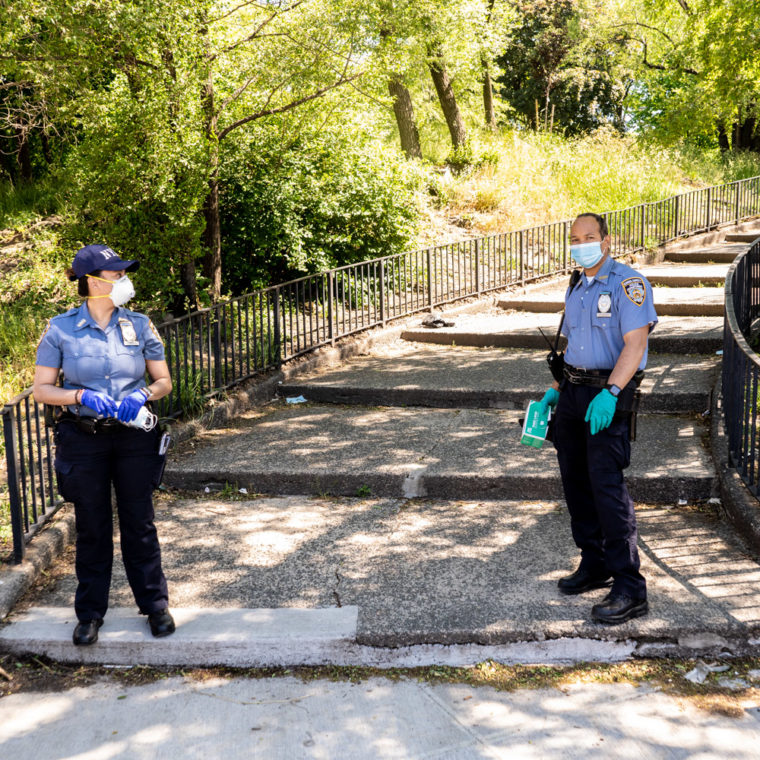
[{"x": 93, "y": 258}]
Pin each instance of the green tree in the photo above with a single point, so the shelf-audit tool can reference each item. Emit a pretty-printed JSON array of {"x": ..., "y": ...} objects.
[
  {"x": 699, "y": 73},
  {"x": 559, "y": 67}
]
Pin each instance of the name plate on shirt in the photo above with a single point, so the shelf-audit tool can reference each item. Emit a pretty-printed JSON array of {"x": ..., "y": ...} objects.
[
  {"x": 128, "y": 334},
  {"x": 604, "y": 304}
]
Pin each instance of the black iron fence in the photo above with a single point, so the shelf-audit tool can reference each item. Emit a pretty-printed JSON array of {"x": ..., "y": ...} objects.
[
  {"x": 741, "y": 366},
  {"x": 213, "y": 349}
]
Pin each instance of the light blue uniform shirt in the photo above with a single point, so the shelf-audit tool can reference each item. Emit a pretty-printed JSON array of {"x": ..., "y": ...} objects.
[
  {"x": 111, "y": 361},
  {"x": 599, "y": 314}
]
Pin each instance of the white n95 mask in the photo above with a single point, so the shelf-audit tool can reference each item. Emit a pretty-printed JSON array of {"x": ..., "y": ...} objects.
[
  {"x": 122, "y": 291},
  {"x": 145, "y": 420}
]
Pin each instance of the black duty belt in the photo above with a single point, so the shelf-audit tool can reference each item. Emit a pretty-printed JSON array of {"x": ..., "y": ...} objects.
[
  {"x": 595, "y": 377},
  {"x": 92, "y": 425}
]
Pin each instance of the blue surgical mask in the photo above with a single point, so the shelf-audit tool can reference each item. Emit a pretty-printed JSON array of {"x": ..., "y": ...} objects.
[{"x": 587, "y": 255}]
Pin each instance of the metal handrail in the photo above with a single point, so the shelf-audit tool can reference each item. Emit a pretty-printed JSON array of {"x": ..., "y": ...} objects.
[
  {"x": 740, "y": 379},
  {"x": 212, "y": 349}
]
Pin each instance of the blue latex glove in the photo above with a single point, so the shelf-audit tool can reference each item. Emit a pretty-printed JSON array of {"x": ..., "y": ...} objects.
[
  {"x": 550, "y": 400},
  {"x": 600, "y": 411},
  {"x": 101, "y": 403},
  {"x": 131, "y": 405}
]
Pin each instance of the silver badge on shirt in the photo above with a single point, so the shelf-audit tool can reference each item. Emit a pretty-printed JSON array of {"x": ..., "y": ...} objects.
[
  {"x": 128, "y": 334},
  {"x": 604, "y": 304}
]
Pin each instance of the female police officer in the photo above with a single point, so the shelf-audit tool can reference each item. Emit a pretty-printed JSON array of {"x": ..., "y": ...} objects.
[{"x": 104, "y": 351}]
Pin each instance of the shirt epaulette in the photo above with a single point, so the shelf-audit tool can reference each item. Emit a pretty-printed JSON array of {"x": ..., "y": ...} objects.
[{"x": 70, "y": 313}]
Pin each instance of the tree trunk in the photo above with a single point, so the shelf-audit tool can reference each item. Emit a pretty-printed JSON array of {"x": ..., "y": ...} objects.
[
  {"x": 487, "y": 83},
  {"x": 24, "y": 156},
  {"x": 736, "y": 137},
  {"x": 723, "y": 142},
  {"x": 46, "y": 152},
  {"x": 404, "y": 111},
  {"x": 212, "y": 236},
  {"x": 488, "y": 97},
  {"x": 187, "y": 278},
  {"x": 747, "y": 132},
  {"x": 448, "y": 102}
]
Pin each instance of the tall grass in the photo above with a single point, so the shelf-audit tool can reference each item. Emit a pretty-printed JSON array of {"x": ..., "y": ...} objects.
[
  {"x": 32, "y": 289},
  {"x": 532, "y": 178},
  {"x": 22, "y": 203}
]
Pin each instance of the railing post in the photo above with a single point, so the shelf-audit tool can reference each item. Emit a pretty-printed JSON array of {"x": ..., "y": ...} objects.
[
  {"x": 330, "y": 299},
  {"x": 675, "y": 217},
  {"x": 478, "y": 288},
  {"x": 382, "y": 292},
  {"x": 217, "y": 349},
  {"x": 709, "y": 203},
  {"x": 522, "y": 258},
  {"x": 565, "y": 234},
  {"x": 643, "y": 226},
  {"x": 14, "y": 497},
  {"x": 277, "y": 328},
  {"x": 430, "y": 277},
  {"x": 736, "y": 203}
]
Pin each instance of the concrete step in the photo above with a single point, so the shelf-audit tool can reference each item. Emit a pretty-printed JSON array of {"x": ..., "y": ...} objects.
[
  {"x": 674, "y": 275},
  {"x": 685, "y": 302},
  {"x": 722, "y": 253},
  {"x": 748, "y": 236},
  {"x": 204, "y": 636},
  {"x": 384, "y": 582},
  {"x": 452, "y": 454},
  {"x": 492, "y": 379},
  {"x": 677, "y": 335}
]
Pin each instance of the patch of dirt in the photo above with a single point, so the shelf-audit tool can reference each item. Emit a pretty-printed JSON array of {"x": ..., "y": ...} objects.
[{"x": 40, "y": 674}]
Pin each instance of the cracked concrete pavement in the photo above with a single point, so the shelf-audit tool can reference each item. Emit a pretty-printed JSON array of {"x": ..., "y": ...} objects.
[{"x": 424, "y": 571}]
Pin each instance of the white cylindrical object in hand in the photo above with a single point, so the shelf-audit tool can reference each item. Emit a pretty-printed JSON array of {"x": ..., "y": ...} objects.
[{"x": 145, "y": 420}]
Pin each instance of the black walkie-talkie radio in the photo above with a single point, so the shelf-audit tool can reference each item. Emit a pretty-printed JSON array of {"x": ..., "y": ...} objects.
[{"x": 555, "y": 358}]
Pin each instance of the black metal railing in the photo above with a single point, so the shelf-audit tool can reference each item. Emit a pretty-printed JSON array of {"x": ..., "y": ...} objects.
[
  {"x": 216, "y": 348},
  {"x": 740, "y": 383}
]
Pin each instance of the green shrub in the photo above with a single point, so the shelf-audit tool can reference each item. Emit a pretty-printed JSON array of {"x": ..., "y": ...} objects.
[{"x": 323, "y": 202}]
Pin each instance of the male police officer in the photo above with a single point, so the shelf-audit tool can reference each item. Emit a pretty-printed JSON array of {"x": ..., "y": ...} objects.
[{"x": 608, "y": 317}]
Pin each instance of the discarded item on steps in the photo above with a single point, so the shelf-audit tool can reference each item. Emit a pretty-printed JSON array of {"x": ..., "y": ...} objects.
[
  {"x": 295, "y": 400},
  {"x": 435, "y": 319},
  {"x": 703, "y": 669},
  {"x": 535, "y": 425}
]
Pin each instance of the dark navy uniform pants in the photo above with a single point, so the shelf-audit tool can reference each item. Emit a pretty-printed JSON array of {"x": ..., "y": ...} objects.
[
  {"x": 86, "y": 466},
  {"x": 602, "y": 517}
]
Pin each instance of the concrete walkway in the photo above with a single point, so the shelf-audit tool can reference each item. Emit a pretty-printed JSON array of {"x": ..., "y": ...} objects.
[
  {"x": 391, "y": 582},
  {"x": 289, "y": 719}
]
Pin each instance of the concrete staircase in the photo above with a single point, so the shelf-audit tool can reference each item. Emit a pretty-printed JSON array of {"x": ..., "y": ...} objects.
[
  {"x": 399, "y": 512},
  {"x": 442, "y": 421}
]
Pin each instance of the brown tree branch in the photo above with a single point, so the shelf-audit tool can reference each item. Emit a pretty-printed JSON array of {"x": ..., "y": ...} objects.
[
  {"x": 287, "y": 107},
  {"x": 256, "y": 32},
  {"x": 685, "y": 7}
]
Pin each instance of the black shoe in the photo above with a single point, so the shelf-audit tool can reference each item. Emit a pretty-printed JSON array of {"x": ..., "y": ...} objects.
[
  {"x": 581, "y": 581},
  {"x": 617, "y": 608},
  {"x": 86, "y": 632},
  {"x": 161, "y": 623}
]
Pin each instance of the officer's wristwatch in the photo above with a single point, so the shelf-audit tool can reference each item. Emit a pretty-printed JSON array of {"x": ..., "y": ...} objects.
[{"x": 613, "y": 389}]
